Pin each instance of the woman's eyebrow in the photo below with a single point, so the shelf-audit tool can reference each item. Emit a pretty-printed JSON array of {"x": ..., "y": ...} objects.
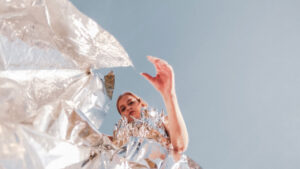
[{"x": 129, "y": 100}]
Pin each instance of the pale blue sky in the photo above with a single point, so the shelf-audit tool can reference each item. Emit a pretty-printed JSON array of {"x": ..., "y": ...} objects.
[{"x": 237, "y": 66}]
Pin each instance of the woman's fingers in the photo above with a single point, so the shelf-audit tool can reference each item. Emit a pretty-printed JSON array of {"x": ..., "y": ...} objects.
[
  {"x": 159, "y": 64},
  {"x": 152, "y": 59},
  {"x": 155, "y": 59},
  {"x": 155, "y": 62},
  {"x": 148, "y": 77},
  {"x": 163, "y": 79}
]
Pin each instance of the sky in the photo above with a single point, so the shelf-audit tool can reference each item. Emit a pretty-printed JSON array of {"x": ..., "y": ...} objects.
[{"x": 237, "y": 73}]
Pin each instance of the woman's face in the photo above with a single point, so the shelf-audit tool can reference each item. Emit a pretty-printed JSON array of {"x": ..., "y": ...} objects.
[{"x": 129, "y": 107}]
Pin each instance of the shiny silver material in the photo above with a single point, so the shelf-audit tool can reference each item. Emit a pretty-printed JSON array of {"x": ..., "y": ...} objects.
[
  {"x": 143, "y": 143},
  {"x": 53, "y": 34},
  {"x": 151, "y": 125},
  {"x": 53, "y": 100}
]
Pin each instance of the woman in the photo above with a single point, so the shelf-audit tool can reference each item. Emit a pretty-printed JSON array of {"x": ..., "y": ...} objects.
[
  {"x": 146, "y": 139},
  {"x": 129, "y": 105}
]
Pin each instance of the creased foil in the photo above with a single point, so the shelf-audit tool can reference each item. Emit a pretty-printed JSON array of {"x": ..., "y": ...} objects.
[
  {"x": 53, "y": 98},
  {"x": 143, "y": 143},
  {"x": 53, "y": 34}
]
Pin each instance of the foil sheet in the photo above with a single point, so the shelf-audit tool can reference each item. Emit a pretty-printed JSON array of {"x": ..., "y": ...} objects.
[
  {"x": 53, "y": 34},
  {"x": 53, "y": 98},
  {"x": 49, "y": 119}
]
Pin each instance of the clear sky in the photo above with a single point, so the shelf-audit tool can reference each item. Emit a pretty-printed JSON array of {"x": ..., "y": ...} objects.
[{"x": 237, "y": 67}]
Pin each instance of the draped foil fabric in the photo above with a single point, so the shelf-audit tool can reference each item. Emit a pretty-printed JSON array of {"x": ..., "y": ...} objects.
[{"x": 53, "y": 98}]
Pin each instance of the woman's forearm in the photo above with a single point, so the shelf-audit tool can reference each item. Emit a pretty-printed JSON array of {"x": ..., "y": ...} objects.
[
  {"x": 164, "y": 82},
  {"x": 177, "y": 128}
]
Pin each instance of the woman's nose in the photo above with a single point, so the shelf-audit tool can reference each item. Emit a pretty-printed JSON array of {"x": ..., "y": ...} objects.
[{"x": 128, "y": 108}]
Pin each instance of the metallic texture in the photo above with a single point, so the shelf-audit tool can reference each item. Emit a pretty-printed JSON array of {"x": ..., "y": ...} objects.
[
  {"x": 53, "y": 100},
  {"x": 143, "y": 143},
  {"x": 53, "y": 34}
]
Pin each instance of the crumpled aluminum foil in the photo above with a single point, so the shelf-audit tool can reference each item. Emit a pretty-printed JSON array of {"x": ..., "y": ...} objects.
[
  {"x": 151, "y": 125},
  {"x": 52, "y": 98},
  {"x": 143, "y": 143},
  {"x": 53, "y": 34}
]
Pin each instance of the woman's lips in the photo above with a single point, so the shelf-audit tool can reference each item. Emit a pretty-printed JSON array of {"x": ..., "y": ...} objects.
[{"x": 131, "y": 113}]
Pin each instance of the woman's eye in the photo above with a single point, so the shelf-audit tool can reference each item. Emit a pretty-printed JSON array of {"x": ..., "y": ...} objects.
[
  {"x": 130, "y": 103},
  {"x": 122, "y": 109}
]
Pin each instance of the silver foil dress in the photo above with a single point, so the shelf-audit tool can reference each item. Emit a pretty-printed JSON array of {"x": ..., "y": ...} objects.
[{"x": 52, "y": 98}]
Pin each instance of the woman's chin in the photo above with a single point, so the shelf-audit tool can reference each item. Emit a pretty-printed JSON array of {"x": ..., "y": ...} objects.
[{"x": 130, "y": 119}]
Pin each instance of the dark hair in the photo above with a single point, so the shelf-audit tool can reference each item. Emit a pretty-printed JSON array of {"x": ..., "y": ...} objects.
[{"x": 124, "y": 94}]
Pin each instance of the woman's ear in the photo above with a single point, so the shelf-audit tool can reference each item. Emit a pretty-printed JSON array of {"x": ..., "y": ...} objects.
[{"x": 144, "y": 104}]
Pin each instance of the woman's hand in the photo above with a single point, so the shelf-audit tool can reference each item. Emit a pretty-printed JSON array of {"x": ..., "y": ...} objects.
[
  {"x": 164, "y": 79},
  {"x": 164, "y": 83}
]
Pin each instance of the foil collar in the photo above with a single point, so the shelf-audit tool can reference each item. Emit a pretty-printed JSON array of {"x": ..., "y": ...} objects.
[{"x": 151, "y": 125}]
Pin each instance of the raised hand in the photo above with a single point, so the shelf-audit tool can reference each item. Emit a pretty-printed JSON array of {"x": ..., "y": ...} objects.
[
  {"x": 164, "y": 83},
  {"x": 164, "y": 79}
]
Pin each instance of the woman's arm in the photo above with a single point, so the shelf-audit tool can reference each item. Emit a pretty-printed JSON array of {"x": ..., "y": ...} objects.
[{"x": 164, "y": 82}]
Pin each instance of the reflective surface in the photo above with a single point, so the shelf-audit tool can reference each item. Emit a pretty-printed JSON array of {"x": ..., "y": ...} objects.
[
  {"x": 52, "y": 100},
  {"x": 143, "y": 143},
  {"x": 53, "y": 34}
]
